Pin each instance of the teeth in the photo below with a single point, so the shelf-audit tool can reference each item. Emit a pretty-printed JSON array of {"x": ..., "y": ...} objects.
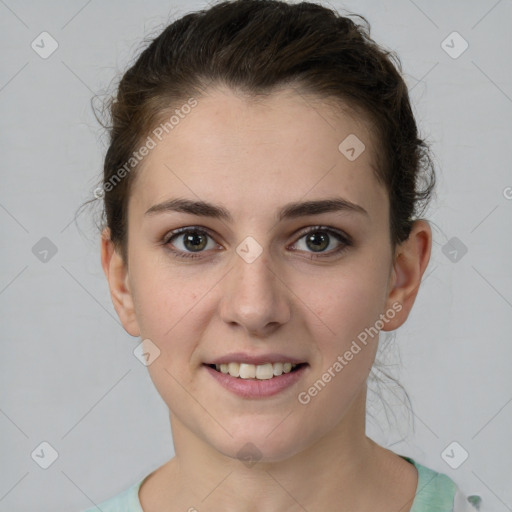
[
  {"x": 255, "y": 371},
  {"x": 247, "y": 371},
  {"x": 234, "y": 369},
  {"x": 264, "y": 371},
  {"x": 278, "y": 369}
]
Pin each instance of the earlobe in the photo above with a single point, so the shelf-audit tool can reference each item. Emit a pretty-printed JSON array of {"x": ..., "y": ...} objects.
[
  {"x": 411, "y": 260},
  {"x": 116, "y": 272}
]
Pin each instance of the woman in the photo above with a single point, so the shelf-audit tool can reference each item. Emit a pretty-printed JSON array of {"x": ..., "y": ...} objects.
[{"x": 262, "y": 198}]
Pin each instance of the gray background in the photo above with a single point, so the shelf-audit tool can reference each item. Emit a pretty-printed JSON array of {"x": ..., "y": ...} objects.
[{"x": 68, "y": 374}]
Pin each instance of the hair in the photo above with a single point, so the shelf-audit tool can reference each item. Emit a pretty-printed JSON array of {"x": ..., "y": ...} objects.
[{"x": 256, "y": 47}]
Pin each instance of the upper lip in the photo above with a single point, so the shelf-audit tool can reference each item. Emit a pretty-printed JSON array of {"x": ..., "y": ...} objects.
[{"x": 240, "y": 357}]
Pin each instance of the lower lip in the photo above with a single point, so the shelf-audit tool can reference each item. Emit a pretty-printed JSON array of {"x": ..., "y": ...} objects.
[{"x": 254, "y": 388}]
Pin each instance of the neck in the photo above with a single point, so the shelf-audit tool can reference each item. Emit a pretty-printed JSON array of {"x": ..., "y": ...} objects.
[{"x": 337, "y": 468}]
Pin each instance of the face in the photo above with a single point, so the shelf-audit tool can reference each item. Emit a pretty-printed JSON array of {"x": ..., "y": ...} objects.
[{"x": 267, "y": 283}]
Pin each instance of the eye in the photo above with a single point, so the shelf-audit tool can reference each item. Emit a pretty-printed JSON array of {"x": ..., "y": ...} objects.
[
  {"x": 190, "y": 239},
  {"x": 319, "y": 238}
]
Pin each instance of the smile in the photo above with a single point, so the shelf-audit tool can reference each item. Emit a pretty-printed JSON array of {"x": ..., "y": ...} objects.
[
  {"x": 256, "y": 380},
  {"x": 254, "y": 371}
]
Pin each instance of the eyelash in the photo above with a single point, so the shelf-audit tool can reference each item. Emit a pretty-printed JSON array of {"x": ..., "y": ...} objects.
[{"x": 343, "y": 238}]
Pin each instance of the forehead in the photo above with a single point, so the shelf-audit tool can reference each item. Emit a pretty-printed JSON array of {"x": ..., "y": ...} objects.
[{"x": 251, "y": 152}]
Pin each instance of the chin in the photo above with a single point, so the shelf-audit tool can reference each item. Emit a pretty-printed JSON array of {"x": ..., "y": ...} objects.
[{"x": 255, "y": 445}]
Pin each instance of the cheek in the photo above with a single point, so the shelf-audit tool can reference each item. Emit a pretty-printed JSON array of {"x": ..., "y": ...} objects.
[
  {"x": 167, "y": 306},
  {"x": 350, "y": 309},
  {"x": 168, "y": 310},
  {"x": 350, "y": 300}
]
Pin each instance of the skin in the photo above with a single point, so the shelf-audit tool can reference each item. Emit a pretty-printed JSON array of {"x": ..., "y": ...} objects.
[{"x": 253, "y": 157}]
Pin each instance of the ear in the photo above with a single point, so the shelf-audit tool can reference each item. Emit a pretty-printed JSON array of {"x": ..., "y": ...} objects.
[
  {"x": 116, "y": 272},
  {"x": 410, "y": 261}
]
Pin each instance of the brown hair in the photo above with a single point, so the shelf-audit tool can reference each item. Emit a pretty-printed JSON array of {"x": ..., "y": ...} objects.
[{"x": 256, "y": 46}]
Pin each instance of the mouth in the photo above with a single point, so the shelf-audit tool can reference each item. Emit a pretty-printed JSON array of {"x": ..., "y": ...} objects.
[
  {"x": 265, "y": 371},
  {"x": 257, "y": 379}
]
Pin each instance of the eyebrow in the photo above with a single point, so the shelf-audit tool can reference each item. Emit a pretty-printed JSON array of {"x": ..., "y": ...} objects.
[{"x": 288, "y": 211}]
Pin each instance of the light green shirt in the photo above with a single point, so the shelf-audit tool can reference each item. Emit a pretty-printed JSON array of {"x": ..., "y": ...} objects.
[{"x": 436, "y": 492}]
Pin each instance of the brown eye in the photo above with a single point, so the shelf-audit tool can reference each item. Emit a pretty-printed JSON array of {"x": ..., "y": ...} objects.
[
  {"x": 315, "y": 241},
  {"x": 186, "y": 241},
  {"x": 194, "y": 241}
]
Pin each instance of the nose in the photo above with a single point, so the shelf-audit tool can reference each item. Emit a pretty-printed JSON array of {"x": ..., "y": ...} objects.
[{"x": 254, "y": 298}]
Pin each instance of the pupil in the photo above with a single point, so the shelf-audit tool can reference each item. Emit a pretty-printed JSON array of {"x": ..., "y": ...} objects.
[
  {"x": 195, "y": 240},
  {"x": 319, "y": 240}
]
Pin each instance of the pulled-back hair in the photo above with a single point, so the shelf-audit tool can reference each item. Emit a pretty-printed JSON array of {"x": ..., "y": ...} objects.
[{"x": 256, "y": 47}]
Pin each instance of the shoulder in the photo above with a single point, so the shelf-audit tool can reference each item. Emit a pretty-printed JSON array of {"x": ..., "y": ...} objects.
[
  {"x": 437, "y": 492},
  {"x": 125, "y": 501}
]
